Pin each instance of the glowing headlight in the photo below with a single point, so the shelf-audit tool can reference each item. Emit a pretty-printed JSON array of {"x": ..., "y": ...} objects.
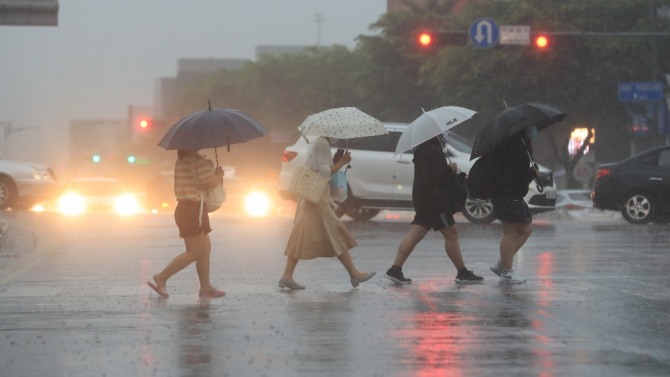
[
  {"x": 126, "y": 205},
  {"x": 71, "y": 204},
  {"x": 257, "y": 204}
]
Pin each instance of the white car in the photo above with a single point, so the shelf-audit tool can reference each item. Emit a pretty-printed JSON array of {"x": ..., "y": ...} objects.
[
  {"x": 23, "y": 184},
  {"x": 379, "y": 180}
]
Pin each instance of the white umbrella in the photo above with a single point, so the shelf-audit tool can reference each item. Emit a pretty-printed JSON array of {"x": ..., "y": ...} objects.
[
  {"x": 342, "y": 123},
  {"x": 430, "y": 124}
]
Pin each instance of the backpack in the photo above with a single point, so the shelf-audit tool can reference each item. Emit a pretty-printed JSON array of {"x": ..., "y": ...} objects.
[{"x": 479, "y": 179}]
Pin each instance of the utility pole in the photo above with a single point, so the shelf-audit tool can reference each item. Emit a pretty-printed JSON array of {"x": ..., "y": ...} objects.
[
  {"x": 319, "y": 20},
  {"x": 8, "y": 131}
]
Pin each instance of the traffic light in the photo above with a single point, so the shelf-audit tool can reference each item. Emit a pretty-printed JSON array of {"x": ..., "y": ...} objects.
[
  {"x": 144, "y": 123},
  {"x": 425, "y": 39},
  {"x": 131, "y": 159},
  {"x": 428, "y": 40},
  {"x": 542, "y": 42},
  {"x": 96, "y": 158}
]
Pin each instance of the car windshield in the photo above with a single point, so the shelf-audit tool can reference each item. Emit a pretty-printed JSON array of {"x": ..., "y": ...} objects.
[{"x": 97, "y": 187}]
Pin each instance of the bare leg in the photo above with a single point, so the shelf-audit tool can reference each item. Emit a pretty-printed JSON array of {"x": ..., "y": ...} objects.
[
  {"x": 452, "y": 246},
  {"x": 514, "y": 237},
  {"x": 291, "y": 264},
  {"x": 407, "y": 245},
  {"x": 348, "y": 263},
  {"x": 177, "y": 264},
  {"x": 203, "y": 243}
]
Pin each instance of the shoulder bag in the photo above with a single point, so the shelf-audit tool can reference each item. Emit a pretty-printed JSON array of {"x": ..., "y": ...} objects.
[
  {"x": 213, "y": 198},
  {"x": 308, "y": 184}
]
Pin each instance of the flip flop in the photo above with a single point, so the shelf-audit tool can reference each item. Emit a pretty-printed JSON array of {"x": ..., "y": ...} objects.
[{"x": 161, "y": 291}]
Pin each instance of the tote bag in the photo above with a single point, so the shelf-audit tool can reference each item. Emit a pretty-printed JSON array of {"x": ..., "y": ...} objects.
[{"x": 308, "y": 184}]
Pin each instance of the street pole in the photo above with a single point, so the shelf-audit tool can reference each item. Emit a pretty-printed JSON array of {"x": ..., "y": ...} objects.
[{"x": 8, "y": 131}]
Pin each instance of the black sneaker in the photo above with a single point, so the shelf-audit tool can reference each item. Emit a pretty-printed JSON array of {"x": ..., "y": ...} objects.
[
  {"x": 468, "y": 277},
  {"x": 395, "y": 274}
]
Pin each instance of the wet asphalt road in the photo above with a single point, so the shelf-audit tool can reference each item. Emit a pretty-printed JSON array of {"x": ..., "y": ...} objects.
[{"x": 73, "y": 302}]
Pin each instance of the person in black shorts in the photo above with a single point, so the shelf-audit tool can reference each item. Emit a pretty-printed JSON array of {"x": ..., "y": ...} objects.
[
  {"x": 514, "y": 170},
  {"x": 431, "y": 204},
  {"x": 192, "y": 221}
]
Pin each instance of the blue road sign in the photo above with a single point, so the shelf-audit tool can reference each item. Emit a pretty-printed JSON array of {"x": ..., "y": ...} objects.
[
  {"x": 484, "y": 32},
  {"x": 640, "y": 91}
]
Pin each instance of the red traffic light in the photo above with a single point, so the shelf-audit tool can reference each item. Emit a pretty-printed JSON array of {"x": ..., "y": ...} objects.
[
  {"x": 542, "y": 42},
  {"x": 425, "y": 39},
  {"x": 144, "y": 123}
]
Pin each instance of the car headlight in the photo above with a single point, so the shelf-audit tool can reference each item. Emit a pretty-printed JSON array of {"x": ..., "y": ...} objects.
[
  {"x": 71, "y": 204},
  {"x": 257, "y": 204},
  {"x": 40, "y": 174},
  {"x": 126, "y": 205}
]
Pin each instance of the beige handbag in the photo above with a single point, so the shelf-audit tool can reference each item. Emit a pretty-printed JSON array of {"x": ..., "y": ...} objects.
[{"x": 308, "y": 184}]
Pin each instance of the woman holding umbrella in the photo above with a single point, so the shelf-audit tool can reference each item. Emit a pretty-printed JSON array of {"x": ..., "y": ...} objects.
[
  {"x": 317, "y": 231},
  {"x": 193, "y": 222},
  {"x": 513, "y": 170},
  {"x": 431, "y": 200}
]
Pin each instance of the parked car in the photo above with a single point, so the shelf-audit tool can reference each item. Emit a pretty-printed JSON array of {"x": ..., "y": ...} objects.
[
  {"x": 638, "y": 186},
  {"x": 100, "y": 195},
  {"x": 24, "y": 184},
  {"x": 379, "y": 180}
]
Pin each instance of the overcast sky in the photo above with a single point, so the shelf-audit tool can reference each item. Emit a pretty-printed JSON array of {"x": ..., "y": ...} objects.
[{"x": 104, "y": 56}]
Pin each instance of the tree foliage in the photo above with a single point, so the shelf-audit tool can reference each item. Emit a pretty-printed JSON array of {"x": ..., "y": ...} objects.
[{"x": 389, "y": 78}]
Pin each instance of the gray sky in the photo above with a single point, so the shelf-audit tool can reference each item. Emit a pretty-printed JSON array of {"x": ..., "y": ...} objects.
[{"x": 104, "y": 56}]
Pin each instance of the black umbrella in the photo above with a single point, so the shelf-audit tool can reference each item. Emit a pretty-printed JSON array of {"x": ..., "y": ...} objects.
[
  {"x": 513, "y": 120},
  {"x": 212, "y": 128}
]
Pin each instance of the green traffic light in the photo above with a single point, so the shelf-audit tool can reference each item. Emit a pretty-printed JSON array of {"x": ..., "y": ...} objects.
[
  {"x": 96, "y": 158},
  {"x": 131, "y": 159}
]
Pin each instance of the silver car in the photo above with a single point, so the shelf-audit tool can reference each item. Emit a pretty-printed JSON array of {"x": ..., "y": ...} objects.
[
  {"x": 23, "y": 184},
  {"x": 379, "y": 180}
]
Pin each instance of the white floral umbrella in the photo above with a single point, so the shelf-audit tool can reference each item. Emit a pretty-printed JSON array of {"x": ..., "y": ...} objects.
[
  {"x": 430, "y": 124},
  {"x": 342, "y": 123}
]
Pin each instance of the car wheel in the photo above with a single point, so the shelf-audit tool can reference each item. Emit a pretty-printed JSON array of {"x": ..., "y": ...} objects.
[
  {"x": 638, "y": 209},
  {"x": 478, "y": 211},
  {"x": 361, "y": 214},
  {"x": 8, "y": 194}
]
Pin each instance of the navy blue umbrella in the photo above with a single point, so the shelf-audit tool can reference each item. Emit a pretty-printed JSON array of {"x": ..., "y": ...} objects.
[{"x": 212, "y": 128}]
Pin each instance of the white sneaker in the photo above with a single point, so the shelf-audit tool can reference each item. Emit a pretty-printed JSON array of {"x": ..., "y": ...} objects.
[
  {"x": 508, "y": 277},
  {"x": 496, "y": 269}
]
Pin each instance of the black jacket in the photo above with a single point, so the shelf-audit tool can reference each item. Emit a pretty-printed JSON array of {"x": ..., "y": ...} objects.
[
  {"x": 512, "y": 170},
  {"x": 429, "y": 190}
]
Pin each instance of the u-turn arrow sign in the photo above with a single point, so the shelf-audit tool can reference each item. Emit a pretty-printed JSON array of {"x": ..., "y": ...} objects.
[{"x": 484, "y": 32}]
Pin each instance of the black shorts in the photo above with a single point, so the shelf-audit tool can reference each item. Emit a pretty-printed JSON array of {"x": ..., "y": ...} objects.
[
  {"x": 436, "y": 221},
  {"x": 512, "y": 210},
  {"x": 186, "y": 217}
]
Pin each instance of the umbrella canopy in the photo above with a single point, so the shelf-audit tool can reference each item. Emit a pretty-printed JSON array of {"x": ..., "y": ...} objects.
[
  {"x": 431, "y": 124},
  {"x": 513, "y": 120},
  {"x": 342, "y": 123},
  {"x": 212, "y": 128}
]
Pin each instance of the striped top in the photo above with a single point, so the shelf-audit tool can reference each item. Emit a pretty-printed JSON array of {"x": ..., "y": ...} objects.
[{"x": 185, "y": 185}]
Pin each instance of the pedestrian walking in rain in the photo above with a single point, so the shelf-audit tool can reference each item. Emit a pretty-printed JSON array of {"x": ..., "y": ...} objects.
[
  {"x": 512, "y": 170},
  {"x": 317, "y": 231},
  {"x": 432, "y": 210},
  {"x": 192, "y": 221}
]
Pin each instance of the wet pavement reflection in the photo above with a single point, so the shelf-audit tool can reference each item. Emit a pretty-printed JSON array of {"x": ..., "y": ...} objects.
[{"x": 74, "y": 303}]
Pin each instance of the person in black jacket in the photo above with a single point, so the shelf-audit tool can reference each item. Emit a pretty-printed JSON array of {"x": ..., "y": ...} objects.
[
  {"x": 513, "y": 171},
  {"x": 432, "y": 207}
]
